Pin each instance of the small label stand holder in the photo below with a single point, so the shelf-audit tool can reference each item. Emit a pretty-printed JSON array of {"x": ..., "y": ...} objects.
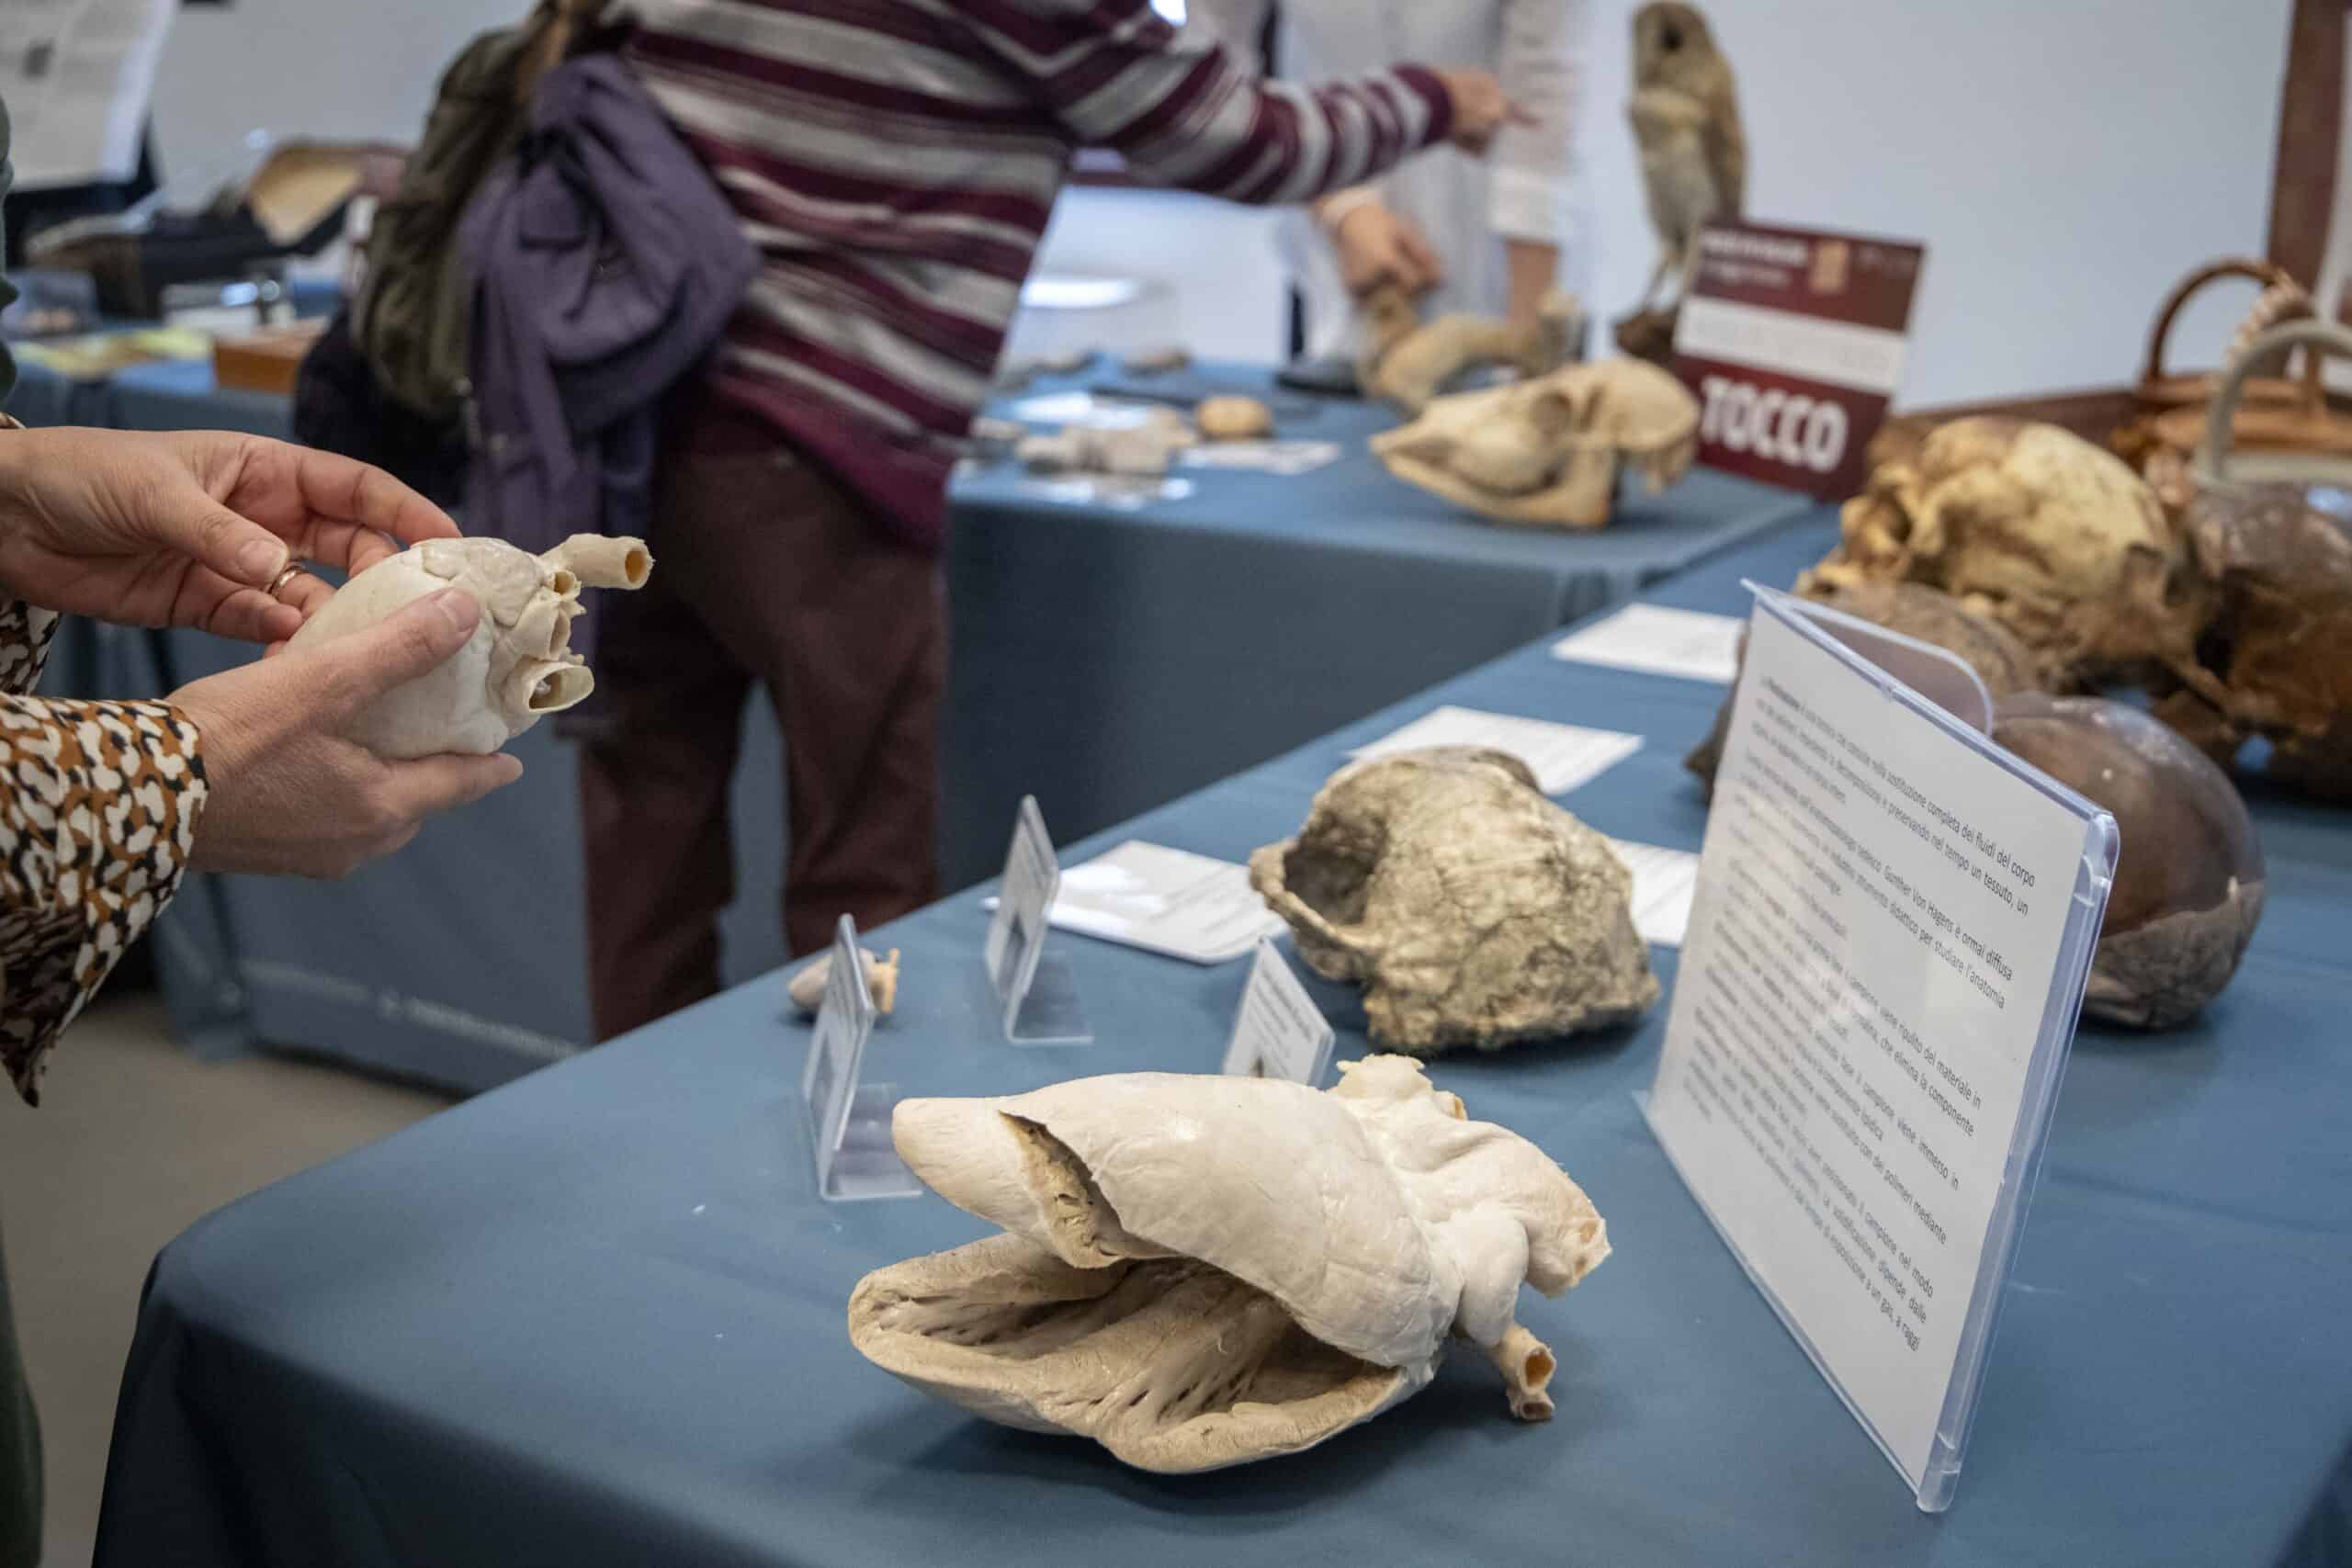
[
  {"x": 1033, "y": 983},
  {"x": 1278, "y": 1032},
  {"x": 1902, "y": 668},
  {"x": 849, "y": 1122}
]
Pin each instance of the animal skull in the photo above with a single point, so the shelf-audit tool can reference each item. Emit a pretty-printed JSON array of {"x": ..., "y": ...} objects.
[
  {"x": 2033, "y": 526},
  {"x": 518, "y": 666},
  {"x": 1203, "y": 1272},
  {"x": 1549, "y": 451},
  {"x": 1474, "y": 910}
]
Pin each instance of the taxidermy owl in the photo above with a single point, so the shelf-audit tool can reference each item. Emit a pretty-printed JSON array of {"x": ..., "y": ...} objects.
[{"x": 1686, "y": 120}]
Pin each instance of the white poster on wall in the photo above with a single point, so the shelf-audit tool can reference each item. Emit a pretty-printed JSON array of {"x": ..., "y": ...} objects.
[{"x": 77, "y": 76}]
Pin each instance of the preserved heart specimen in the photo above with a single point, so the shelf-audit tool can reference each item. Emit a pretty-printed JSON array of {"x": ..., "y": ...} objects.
[{"x": 1203, "y": 1272}]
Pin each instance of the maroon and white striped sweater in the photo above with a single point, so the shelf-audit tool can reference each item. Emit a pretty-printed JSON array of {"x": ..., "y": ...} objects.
[{"x": 895, "y": 161}]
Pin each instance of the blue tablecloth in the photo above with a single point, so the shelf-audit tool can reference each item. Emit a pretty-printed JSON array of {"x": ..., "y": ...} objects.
[
  {"x": 596, "y": 1317},
  {"x": 1107, "y": 660}
]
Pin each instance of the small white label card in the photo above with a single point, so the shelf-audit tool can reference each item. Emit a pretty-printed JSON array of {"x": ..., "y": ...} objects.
[
  {"x": 1039, "y": 995},
  {"x": 1664, "y": 882},
  {"x": 1561, "y": 756},
  {"x": 1894, "y": 922},
  {"x": 1278, "y": 1032},
  {"x": 1286, "y": 458},
  {"x": 849, "y": 1122},
  {"x": 1166, "y": 901},
  {"x": 1655, "y": 640}
]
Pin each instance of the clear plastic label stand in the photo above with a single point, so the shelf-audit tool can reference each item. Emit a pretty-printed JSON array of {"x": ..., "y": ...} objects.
[
  {"x": 1894, "y": 923},
  {"x": 1278, "y": 1032},
  {"x": 1035, "y": 984},
  {"x": 849, "y": 1122}
]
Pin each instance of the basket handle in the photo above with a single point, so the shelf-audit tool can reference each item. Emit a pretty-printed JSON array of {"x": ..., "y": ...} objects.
[
  {"x": 2268, "y": 273},
  {"x": 2317, "y": 338}
]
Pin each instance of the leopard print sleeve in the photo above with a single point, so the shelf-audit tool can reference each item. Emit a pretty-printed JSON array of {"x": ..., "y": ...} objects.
[
  {"x": 98, "y": 802},
  {"x": 25, "y": 635}
]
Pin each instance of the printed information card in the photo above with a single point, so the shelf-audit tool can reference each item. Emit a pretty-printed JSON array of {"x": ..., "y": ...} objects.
[
  {"x": 1652, "y": 639},
  {"x": 1166, "y": 901},
  {"x": 1279, "y": 1033},
  {"x": 1885, "y": 953},
  {"x": 1561, "y": 756}
]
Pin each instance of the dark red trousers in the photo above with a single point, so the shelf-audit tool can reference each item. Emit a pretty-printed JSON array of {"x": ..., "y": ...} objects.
[{"x": 765, "y": 572}]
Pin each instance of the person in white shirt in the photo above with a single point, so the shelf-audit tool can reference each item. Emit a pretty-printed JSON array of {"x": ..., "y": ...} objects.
[{"x": 1483, "y": 236}]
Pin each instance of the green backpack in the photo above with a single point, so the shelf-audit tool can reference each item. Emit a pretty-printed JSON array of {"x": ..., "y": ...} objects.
[{"x": 412, "y": 319}]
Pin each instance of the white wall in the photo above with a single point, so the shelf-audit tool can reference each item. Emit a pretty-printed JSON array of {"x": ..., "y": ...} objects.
[
  {"x": 2065, "y": 160},
  {"x": 342, "y": 69}
]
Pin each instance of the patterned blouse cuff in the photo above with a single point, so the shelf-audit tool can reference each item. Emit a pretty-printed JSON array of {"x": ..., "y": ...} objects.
[{"x": 97, "y": 819}]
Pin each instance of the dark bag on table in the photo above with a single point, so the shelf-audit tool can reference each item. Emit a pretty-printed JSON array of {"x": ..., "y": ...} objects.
[{"x": 410, "y": 326}]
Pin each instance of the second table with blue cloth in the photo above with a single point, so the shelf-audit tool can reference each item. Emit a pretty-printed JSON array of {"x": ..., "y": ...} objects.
[
  {"x": 1107, "y": 659},
  {"x": 598, "y": 1316}
]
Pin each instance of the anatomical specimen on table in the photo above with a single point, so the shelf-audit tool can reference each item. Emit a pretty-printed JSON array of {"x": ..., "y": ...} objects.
[
  {"x": 1201, "y": 1271},
  {"x": 1472, "y": 909},
  {"x": 517, "y": 667},
  {"x": 1549, "y": 451}
]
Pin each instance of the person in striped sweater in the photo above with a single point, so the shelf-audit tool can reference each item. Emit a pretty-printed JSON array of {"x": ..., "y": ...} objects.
[{"x": 895, "y": 161}]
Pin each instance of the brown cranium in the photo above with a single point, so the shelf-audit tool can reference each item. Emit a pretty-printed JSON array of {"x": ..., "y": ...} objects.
[{"x": 2189, "y": 884}]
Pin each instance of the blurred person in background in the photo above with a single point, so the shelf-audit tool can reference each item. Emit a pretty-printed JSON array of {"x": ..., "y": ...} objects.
[
  {"x": 896, "y": 163},
  {"x": 1484, "y": 236},
  {"x": 105, "y": 806}
]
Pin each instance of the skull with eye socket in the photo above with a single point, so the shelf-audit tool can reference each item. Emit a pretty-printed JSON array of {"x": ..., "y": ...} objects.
[{"x": 2031, "y": 526}]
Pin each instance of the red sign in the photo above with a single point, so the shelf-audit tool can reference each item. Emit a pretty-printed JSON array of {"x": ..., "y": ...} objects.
[{"x": 1793, "y": 340}]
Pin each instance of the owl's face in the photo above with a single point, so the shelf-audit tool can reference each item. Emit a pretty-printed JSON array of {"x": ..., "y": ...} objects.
[{"x": 1666, "y": 36}]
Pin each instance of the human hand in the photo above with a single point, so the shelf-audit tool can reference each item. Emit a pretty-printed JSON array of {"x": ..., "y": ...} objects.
[
  {"x": 1481, "y": 109},
  {"x": 192, "y": 528},
  {"x": 291, "y": 794},
  {"x": 1377, "y": 246}
]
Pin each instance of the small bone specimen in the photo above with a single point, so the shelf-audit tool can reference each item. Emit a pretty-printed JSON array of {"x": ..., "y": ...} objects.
[
  {"x": 2033, "y": 527},
  {"x": 2000, "y": 661},
  {"x": 1227, "y": 417},
  {"x": 1161, "y": 360},
  {"x": 993, "y": 437},
  {"x": 1472, "y": 909},
  {"x": 2188, "y": 883},
  {"x": 519, "y": 666},
  {"x": 1143, "y": 450},
  {"x": 1548, "y": 452},
  {"x": 807, "y": 989},
  {"x": 1203, "y": 1272},
  {"x": 2277, "y": 652},
  {"x": 1408, "y": 361}
]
